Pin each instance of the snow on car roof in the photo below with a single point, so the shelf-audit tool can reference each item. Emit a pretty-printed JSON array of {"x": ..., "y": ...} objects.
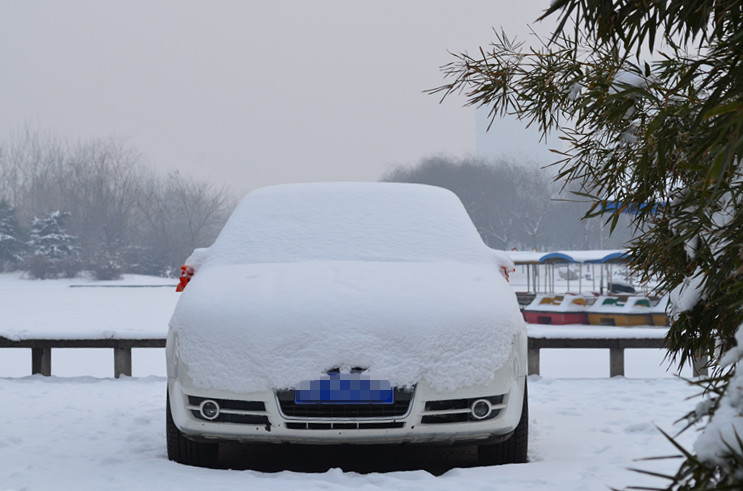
[{"x": 347, "y": 221}]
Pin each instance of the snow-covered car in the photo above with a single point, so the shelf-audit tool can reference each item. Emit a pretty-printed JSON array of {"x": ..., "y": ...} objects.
[{"x": 353, "y": 313}]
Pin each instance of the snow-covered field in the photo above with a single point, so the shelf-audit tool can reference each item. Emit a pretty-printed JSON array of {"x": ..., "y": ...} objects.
[
  {"x": 72, "y": 431},
  {"x": 92, "y": 434}
]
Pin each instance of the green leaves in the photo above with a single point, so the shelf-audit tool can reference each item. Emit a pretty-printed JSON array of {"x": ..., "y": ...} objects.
[{"x": 648, "y": 96}]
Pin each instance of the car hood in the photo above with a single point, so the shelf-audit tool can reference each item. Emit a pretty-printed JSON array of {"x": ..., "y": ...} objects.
[{"x": 254, "y": 327}]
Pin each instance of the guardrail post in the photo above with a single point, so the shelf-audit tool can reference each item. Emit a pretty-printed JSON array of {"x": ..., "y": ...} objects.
[
  {"x": 122, "y": 361},
  {"x": 616, "y": 362},
  {"x": 533, "y": 363},
  {"x": 41, "y": 361}
]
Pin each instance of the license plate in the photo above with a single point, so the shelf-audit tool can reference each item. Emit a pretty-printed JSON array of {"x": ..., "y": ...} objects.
[{"x": 344, "y": 388}]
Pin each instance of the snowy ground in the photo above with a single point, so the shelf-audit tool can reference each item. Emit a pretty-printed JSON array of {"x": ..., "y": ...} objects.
[
  {"x": 92, "y": 434},
  {"x": 85, "y": 433}
]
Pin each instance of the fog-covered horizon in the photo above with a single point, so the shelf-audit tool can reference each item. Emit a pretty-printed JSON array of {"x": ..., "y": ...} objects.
[{"x": 247, "y": 94}]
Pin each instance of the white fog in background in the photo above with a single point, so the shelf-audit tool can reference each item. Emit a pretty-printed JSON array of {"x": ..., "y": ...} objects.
[{"x": 249, "y": 93}]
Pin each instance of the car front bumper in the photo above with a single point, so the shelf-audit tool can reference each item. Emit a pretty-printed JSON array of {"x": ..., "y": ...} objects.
[{"x": 430, "y": 417}]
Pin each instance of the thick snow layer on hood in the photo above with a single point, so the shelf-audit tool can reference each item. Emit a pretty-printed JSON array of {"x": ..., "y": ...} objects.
[
  {"x": 304, "y": 278},
  {"x": 255, "y": 327}
]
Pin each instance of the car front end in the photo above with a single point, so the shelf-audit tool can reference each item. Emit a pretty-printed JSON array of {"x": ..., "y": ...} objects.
[
  {"x": 356, "y": 313},
  {"x": 417, "y": 414}
]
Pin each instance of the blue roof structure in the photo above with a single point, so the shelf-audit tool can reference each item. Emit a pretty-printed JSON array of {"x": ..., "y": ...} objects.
[
  {"x": 578, "y": 257},
  {"x": 614, "y": 257},
  {"x": 557, "y": 257}
]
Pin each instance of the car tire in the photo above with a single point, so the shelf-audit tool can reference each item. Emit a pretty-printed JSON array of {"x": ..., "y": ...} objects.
[
  {"x": 184, "y": 450},
  {"x": 514, "y": 450}
]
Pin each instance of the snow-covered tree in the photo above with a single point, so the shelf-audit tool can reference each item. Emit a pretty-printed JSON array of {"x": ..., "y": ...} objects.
[
  {"x": 48, "y": 238},
  {"x": 52, "y": 250},
  {"x": 11, "y": 245},
  {"x": 648, "y": 97}
]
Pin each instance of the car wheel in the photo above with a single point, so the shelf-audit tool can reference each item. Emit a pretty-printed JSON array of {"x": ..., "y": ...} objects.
[
  {"x": 185, "y": 451},
  {"x": 513, "y": 450}
]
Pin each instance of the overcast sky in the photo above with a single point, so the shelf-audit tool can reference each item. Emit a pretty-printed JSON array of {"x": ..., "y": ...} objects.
[{"x": 248, "y": 93}]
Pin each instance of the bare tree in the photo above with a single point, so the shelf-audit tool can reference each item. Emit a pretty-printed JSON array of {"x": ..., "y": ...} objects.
[
  {"x": 507, "y": 203},
  {"x": 101, "y": 182},
  {"x": 178, "y": 215},
  {"x": 125, "y": 217},
  {"x": 515, "y": 205},
  {"x": 27, "y": 166},
  {"x": 532, "y": 203}
]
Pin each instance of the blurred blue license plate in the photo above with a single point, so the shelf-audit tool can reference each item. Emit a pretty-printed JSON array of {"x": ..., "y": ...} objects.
[{"x": 344, "y": 388}]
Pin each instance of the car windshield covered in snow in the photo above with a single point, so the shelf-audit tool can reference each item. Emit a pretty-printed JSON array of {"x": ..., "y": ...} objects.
[{"x": 347, "y": 222}]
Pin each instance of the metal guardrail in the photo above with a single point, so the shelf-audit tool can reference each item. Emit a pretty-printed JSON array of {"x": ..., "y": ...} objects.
[{"x": 41, "y": 350}]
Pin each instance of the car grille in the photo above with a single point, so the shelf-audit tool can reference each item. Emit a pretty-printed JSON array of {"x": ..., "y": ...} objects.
[
  {"x": 231, "y": 411},
  {"x": 398, "y": 409},
  {"x": 458, "y": 410},
  {"x": 345, "y": 426}
]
